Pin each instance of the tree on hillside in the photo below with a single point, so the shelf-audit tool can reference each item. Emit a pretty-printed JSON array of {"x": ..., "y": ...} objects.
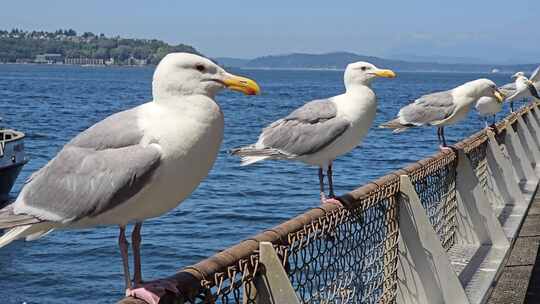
[{"x": 17, "y": 44}]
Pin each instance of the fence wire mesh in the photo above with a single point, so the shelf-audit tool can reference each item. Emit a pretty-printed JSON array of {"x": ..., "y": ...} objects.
[
  {"x": 351, "y": 256},
  {"x": 345, "y": 256},
  {"x": 476, "y": 152}
]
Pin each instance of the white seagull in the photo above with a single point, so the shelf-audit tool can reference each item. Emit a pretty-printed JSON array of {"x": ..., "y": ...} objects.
[
  {"x": 522, "y": 87},
  {"x": 445, "y": 108},
  {"x": 133, "y": 165},
  {"x": 488, "y": 106},
  {"x": 324, "y": 129}
]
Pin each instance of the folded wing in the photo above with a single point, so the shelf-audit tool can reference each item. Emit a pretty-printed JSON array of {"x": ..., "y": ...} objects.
[{"x": 98, "y": 170}]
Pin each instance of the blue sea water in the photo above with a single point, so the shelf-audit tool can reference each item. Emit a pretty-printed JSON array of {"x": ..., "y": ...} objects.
[{"x": 51, "y": 104}]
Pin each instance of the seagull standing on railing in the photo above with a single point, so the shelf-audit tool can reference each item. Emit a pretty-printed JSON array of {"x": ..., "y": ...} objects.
[
  {"x": 322, "y": 130},
  {"x": 133, "y": 165},
  {"x": 522, "y": 87},
  {"x": 488, "y": 106},
  {"x": 443, "y": 108}
]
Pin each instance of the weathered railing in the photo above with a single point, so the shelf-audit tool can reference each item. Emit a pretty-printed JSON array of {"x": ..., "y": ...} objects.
[{"x": 437, "y": 231}]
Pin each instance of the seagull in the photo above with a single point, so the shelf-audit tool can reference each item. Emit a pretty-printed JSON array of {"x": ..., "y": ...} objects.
[
  {"x": 522, "y": 87},
  {"x": 133, "y": 165},
  {"x": 323, "y": 129},
  {"x": 488, "y": 106},
  {"x": 443, "y": 108}
]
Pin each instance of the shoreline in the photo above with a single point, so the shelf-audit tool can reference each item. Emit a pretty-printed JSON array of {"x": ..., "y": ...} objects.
[
  {"x": 257, "y": 68},
  {"x": 79, "y": 65}
]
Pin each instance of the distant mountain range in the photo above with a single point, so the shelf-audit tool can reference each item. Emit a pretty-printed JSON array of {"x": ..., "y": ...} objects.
[{"x": 339, "y": 60}]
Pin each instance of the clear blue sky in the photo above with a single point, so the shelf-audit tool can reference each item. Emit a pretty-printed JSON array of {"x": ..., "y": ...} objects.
[{"x": 502, "y": 31}]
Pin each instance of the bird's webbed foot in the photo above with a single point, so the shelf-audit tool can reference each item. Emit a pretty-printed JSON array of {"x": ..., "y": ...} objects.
[
  {"x": 330, "y": 200},
  {"x": 445, "y": 148},
  {"x": 152, "y": 292}
]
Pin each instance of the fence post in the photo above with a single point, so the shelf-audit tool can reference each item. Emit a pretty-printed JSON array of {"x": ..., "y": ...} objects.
[
  {"x": 528, "y": 141},
  {"x": 503, "y": 174},
  {"x": 425, "y": 274},
  {"x": 478, "y": 216},
  {"x": 273, "y": 285},
  {"x": 534, "y": 111},
  {"x": 533, "y": 126},
  {"x": 520, "y": 161}
]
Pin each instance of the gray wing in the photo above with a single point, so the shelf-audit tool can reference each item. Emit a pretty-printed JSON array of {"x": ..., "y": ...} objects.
[
  {"x": 115, "y": 131},
  {"x": 508, "y": 89},
  {"x": 95, "y": 172},
  {"x": 428, "y": 109},
  {"x": 306, "y": 130}
]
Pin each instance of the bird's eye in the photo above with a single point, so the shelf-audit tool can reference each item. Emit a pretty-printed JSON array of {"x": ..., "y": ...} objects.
[
  {"x": 364, "y": 68},
  {"x": 199, "y": 67}
]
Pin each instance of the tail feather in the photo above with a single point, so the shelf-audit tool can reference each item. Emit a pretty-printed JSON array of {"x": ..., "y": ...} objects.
[
  {"x": 18, "y": 225},
  {"x": 248, "y": 160},
  {"x": 533, "y": 91},
  {"x": 396, "y": 125},
  {"x": 8, "y": 219},
  {"x": 13, "y": 234},
  {"x": 250, "y": 154}
]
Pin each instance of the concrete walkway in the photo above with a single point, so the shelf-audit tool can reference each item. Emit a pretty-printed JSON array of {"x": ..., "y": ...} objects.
[{"x": 520, "y": 279}]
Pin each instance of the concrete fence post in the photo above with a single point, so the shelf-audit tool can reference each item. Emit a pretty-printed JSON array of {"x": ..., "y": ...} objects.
[
  {"x": 534, "y": 128},
  {"x": 520, "y": 160},
  {"x": 502, "y": 173},
  {"x": 425, "y": 274},
  {"x": 535, "y": 113},
  {"x": 477, "y": 214},
  {"x": 528, "y": 142},
  {"x": 273, "y": 285}
]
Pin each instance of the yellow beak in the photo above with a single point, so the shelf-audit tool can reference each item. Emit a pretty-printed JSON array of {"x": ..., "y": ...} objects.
[
  {"x": 241, "y": 84},
  {"x": 499, "y": 95},
  {"x": 385, "y": 73}
]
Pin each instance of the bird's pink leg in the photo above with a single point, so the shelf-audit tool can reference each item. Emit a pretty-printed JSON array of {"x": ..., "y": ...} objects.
[
  {"x": 330, "y": 181},
  {"x": 321, "y": 186},
  {"x": 442, "y": 140},
  {"x": 136, "y": 245},
  {"x": 123, "y": 244},
  {"x": 150, "y": 292},
  {"x": 332, "y": 197}
]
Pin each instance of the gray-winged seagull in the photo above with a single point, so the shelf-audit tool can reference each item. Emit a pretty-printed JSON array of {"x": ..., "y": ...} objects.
[
  {"x": 322, "y": 130},
  {"x": 133, "y": 165},
  {"x": 443, "y": 108},
  {"x": 522, "y": 87}
]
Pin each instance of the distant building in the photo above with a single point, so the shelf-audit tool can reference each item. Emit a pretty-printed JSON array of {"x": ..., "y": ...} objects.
[
  {"x": 134, "y": 61},
  {"x": 49, "y": 58},
  {"x": 110, "y": 61},
  {"x": 84, "y": 61}
]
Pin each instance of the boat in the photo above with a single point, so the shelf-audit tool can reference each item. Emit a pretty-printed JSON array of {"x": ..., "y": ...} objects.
[{"x": 12, "y": 159}]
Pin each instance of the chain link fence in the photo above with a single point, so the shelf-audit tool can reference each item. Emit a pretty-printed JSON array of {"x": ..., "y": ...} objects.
[{"x": 343, "y": 255}]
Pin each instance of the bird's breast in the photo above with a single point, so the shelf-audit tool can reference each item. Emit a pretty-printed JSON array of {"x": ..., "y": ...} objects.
[{"x": 190, "y": 141}]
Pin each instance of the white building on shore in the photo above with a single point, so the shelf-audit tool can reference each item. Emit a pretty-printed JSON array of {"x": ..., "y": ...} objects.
[
  {"x": 84, "y": 61},
  {"x": 49, "y": 58}
]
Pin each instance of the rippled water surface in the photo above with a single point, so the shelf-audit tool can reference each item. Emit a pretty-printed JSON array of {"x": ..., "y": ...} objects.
[{"x": 51, "y": 104}]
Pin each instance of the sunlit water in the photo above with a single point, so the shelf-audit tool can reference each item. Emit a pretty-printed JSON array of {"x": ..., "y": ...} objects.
[{"x": 51, "y": 104}]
